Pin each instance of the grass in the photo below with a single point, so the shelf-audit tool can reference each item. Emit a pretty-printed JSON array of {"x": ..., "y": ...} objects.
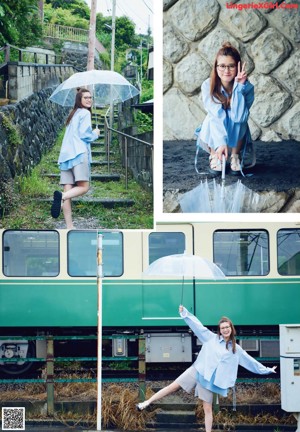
[{"x": 27, "y": 210}]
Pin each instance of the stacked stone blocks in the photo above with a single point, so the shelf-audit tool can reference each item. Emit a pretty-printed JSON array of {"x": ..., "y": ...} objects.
[{"x": 268, "y": 40}]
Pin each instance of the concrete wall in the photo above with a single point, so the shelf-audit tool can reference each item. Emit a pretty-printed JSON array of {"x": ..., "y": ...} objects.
[
  {"x": 26, "y": 78},
  {"x": 268, "y": 40},
  {"x": 28, "y": 129}
]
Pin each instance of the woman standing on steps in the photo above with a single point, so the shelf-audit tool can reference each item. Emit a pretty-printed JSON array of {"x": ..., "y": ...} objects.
[
  {"x": 75, "y": 156},
  {"x": 215, "y": 369}
]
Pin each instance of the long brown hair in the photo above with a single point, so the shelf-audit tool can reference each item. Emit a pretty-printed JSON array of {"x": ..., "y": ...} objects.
[
  {"x": 78, "y": 103},
  {"x": 215, "y": 82},
  {"x": 232, "y": 334}
]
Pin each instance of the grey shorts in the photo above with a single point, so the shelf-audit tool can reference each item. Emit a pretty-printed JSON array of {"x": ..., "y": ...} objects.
[
  {"x": 80, "y": 172},
  {"x": 188, "y": 381}
]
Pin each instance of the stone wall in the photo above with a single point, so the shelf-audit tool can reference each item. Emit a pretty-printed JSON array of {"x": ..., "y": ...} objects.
[
  {"x": 28, "y": 129},
  {"x": 268, "y": 40},
  {"x": 76, "y": 54}
]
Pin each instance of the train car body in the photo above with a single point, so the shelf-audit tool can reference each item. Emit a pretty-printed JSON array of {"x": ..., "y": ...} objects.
[{"x": 49, "y": 280}]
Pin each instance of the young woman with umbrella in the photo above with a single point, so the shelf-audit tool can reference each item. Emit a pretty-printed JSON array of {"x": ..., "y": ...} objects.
[
  {"x": 215, "y": 369},
  {"x": 75, "y": 156}
]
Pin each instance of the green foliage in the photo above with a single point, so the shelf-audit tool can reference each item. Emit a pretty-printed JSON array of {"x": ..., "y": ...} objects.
[
  {"x": 12, "y": 131},
  {"x": 143, "y": 121},
  {"x": 77, "y": 7},
  {"x": 147, "y": 90},
  {"x": 19, "y": 23},
  {"x": 33, "y": 185},
  {"x": 64, "y": 17}
]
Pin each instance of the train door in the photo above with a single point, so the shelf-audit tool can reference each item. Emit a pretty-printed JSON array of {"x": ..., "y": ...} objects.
[{"x": 161, "y": 294}]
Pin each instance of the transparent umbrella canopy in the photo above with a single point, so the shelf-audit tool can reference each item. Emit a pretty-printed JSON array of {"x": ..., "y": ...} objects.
[
  {"x": 185, "y": 266},
  {"x": 214, "y": 197},
  {"x": 106, "y": 86}
]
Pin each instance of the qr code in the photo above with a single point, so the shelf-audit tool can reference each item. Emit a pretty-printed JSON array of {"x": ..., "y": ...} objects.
[{"x": 13, "y": 418}]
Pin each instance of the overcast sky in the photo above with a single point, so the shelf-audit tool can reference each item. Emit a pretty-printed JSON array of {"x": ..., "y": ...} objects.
[{"x": 140, "y": 11}]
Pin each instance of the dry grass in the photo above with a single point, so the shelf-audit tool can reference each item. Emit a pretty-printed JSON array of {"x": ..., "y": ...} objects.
[
  {"x": 265, "y": 393},
  {"x": 119, "y": 400},
  {"x": 118, "y": 403}
]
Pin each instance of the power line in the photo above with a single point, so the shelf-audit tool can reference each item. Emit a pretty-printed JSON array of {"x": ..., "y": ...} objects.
[
  {"x": 133, "y": 12},
  {"x": 147, "y": 6}
]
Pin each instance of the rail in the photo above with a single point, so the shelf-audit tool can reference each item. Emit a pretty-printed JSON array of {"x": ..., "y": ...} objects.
[
  {"x": 108, "y": 131},
  {"x": 50, "y": 359},
  {"x": 74, "y": 34},
  {"x": 21, "y": 51}
]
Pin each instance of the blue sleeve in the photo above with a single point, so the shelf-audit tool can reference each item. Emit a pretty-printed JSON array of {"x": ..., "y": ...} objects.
[
  {"x": 251, "y": 364},
  {"x": 213, "y": 108},
  {"x": 202, "y": 333},
  {"x": 85, "y": 131},
  {"x": 241, "y": 101}
]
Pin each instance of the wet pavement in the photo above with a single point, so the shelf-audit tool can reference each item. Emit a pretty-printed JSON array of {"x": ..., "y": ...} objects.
[{"x": 276, "y": 169}]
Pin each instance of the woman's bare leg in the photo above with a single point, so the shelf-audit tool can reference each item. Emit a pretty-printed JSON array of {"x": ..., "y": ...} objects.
[
  {"x": 81, "y": 188},
  {"x": 67, "y": 207},
  {"x": 71, "y": 191},
  {"x": 160, "y": 394},
  {"x": 208, "y": 416},
  {"x": 237, "y": 149}
]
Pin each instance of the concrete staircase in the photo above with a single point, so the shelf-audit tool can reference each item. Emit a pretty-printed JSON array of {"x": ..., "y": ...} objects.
[
  {"x": 99, "y": 156},
  {"x": 174, "y": 413}
]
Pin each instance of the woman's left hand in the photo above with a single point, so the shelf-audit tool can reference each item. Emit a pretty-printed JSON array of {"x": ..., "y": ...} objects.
[
  {"x": 274, "y": 369},
  {"x": 241, "y": 76}
]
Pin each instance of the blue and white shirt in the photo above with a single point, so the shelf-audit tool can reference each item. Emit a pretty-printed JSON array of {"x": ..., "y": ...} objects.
[
  {"x": 215, "y": 363},
  {"x": 225, "y": 126},
  {"x": 77, "y": 140}
]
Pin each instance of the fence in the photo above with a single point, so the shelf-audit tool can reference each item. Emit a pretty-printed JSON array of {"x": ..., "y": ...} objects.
[
  {"x": 136, "y": 154},
  {"x": 50, "y": 359},
  {"x": 66, "y": 33}
]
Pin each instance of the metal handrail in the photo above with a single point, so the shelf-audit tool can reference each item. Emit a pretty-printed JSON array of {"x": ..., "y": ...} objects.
[{"x": 107, "y": 133}]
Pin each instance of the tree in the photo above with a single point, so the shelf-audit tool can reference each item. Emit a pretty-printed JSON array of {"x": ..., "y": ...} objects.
[
  {"x": 77, "y": 7},
  {"x": 19, "y": 22},
  {"x": 125, "y": 32}
]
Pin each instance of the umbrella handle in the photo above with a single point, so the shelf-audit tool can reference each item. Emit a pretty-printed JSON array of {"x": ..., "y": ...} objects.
[{"x": 223, "y": 166}]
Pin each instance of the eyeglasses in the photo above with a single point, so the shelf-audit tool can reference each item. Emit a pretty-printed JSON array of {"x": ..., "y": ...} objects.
[
  {"x": 87, "y": 97},
  {"x": 225, "y": 328},
  {"x": 222, "y": 67}
]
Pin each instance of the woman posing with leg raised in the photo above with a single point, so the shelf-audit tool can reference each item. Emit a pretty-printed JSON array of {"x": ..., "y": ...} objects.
[
  {"x": 75, "y": 156},
  {"x": 215, "y": 369}
]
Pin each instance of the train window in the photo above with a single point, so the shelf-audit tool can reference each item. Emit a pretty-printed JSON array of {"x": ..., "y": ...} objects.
[
  {"x": 82, "y": 253},
  {"x": 165, "y": 243},
  {"x": 288, "y": 252},
  {"x": 30, "y": 253},
  {"x": 242, "y": 252}
]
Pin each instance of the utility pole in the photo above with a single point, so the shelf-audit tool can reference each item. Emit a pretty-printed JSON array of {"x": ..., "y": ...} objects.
[
  {"x": 92, "y": 36},
  {"x": 112, "y": 67},
  {"x": 113, "y": 35}
]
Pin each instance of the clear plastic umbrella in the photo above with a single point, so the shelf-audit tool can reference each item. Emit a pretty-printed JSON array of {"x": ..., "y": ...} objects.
[
  {"x": 107, "y": 87},
  {"x": 185, "y": 266}
]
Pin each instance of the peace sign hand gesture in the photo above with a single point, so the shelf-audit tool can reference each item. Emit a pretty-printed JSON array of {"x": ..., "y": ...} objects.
[{"x": 241, "y": 74}]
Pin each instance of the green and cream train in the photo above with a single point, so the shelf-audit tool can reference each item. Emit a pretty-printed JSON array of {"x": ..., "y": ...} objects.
[{"x": 48, "y": 285}]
